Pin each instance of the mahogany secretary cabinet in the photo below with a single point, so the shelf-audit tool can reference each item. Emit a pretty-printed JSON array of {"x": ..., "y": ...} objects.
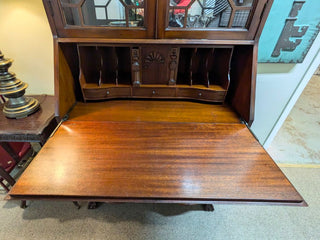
[{"x": 157, "y": 95}]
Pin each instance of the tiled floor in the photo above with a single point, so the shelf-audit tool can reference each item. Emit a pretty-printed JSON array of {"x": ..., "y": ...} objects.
[{"x": 298, "y": 141}]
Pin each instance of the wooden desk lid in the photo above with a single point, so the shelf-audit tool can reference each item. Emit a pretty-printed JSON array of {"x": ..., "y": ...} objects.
[{"x": 141, "y": 161}]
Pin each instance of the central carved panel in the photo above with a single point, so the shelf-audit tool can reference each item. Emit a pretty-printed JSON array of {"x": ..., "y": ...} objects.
[
  {"x": 155, "y": 64},
  {"x": 153, "y": 57}
]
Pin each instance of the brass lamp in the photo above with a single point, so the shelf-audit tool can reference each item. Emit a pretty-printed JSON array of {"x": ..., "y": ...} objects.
[{"x": 17, "y": 106}]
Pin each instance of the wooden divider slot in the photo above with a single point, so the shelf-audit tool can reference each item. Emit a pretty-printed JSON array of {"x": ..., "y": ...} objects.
[
  {"x": 109, "y": 65},
  {"x": 106, "y": 72},
  {"x": 124, "y": 65},
  {"x": 220, "y": 69},
  {"x": 90, "y": 64},
  {"x": 184, "y": 68}
]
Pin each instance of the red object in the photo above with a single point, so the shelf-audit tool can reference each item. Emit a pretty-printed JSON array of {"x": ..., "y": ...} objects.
[
  {"x": 7, "y": 161},
  {"x": 182, "y": 3}
]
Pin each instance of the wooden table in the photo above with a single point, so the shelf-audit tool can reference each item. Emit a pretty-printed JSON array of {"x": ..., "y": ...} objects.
[
  {"x": 35, "y": 128},
  {"x": 99, "y": 156}
]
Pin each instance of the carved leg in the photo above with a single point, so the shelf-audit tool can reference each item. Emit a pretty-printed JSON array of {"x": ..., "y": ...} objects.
[
  {"x": 23, "y": 204},
  {"x": 77, "y": 204},
  {"x": 208, "y": 207}
]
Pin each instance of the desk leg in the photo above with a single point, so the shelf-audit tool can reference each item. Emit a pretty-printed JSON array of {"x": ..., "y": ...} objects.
[
  {"x": 92, "y": 205},
  {"x": 77, "y": 204},
  {"x": 208, "y": 207},
  {"x": 23, "y": 204}
]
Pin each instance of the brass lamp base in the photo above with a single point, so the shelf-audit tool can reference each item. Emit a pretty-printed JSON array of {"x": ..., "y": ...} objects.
[
  {"x": 20, "y": 107},
  {"x": 17, "y": 106}
]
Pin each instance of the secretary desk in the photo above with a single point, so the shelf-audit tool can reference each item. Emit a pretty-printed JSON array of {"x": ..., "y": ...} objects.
[{"x": 155, "y": 98}]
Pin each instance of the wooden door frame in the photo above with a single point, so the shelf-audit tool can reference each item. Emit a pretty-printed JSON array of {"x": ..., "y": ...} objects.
[{"x": 59, "y": 28}]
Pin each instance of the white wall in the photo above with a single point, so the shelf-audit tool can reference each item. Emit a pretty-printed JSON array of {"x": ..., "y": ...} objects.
[
  {"x": 277, "y": 93},
  {"x": 25, "y": 37}
]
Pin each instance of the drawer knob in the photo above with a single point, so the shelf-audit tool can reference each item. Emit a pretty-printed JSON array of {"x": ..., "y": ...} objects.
[
  {"x": 200, "y": 94},
  {"x": 153, "y": 92},
  {"x": 108, "y": 92}
]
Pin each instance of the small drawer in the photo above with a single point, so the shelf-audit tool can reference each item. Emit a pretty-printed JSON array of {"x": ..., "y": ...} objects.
[
  {"x": 153, "y": 92},
  {"x": 211, "y": 95},
  {"x": 105, "y": 93}
]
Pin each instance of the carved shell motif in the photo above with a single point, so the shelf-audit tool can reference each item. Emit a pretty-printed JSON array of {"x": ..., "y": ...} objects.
[{"x": 153, "y": 57}]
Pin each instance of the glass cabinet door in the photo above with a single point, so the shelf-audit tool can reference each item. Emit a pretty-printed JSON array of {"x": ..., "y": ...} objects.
[
  {"x": 210, "y": 19},
  {"x": 104, "y": 18}
]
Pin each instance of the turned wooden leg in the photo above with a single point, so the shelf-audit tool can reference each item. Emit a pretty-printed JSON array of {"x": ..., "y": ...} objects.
[
  {"x": 23, "y": 204},
  {"x": 77, "y": 204},
  {"x": 208, "y": 207}
]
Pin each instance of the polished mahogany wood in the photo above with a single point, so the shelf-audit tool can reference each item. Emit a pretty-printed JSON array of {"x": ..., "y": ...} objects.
[
  {"x": 241, "y": 94},
  {"x": 155, "y": 151},
  {"x": 65, "y": 92},
  {"x": 197, "y": 42},
  {"x": 35, "y": 128},
  {"x": 153, "y": 111},
  {"x": 143, "y": 160},
  {"x": 156, "y": 72}
]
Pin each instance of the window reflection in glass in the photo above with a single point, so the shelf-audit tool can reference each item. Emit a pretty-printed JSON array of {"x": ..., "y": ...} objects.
[
  {"x": 209, "y": 13},
  {"x": 104, "y": 12}
]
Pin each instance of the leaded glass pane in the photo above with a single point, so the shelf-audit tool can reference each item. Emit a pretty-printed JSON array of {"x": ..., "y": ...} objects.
[
  {"x": 240, "y": 18},
  {"x": 176, "y": 17},
  {"x": 104, "y": 12},
  {"x": 204, "y": 14},
  {"x": 136, "y": 17},
  {"x": 200, "y": 13},
  {"x": 244, "y": 3},
  {"x": 71, "y": 16},
  {"x": 180, "y": 2},
  {"x": 137, "y": 3}
]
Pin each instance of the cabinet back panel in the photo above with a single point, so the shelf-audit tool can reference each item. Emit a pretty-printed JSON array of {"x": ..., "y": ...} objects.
[
  {"x": 124, "y": 65},
  {"x": 155, "y": 64}
]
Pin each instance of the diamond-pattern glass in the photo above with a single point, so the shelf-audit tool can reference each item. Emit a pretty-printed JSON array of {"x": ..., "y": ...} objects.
[
  {"x": 104, "y": 12},
  {"x": 206, "y": 14},
  {"x": 200, "y": 13},
  {"x": 137, "y": 3},
  {"x": 240, "y": 18},
  {"x": 243, "y": 3},
  {"x": 72, "y": 16}
]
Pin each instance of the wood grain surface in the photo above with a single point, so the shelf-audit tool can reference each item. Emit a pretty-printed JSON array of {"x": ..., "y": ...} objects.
[
  {"x": 153, "y": 111},
  {"x": 33, "y": 127},
  {"x": 141, "y": 160}
]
